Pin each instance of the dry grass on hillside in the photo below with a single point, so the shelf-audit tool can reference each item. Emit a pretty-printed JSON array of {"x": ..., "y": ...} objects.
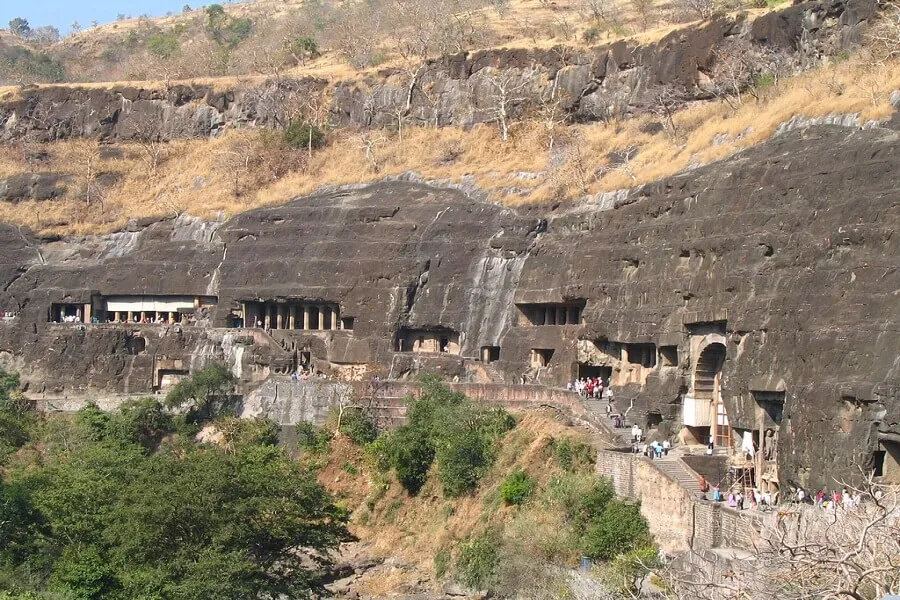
[
  {"x": 369, "y": 36},
  {"x": 199, "y": 177},
  {"x": 416, "y": 529}
]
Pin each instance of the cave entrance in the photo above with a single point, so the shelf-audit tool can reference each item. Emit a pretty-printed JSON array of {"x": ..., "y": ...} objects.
[
  {"x": 887, "y": 460},
  {"x": 654, "y": 419},
  {"x": 704, "y": 412},
  {"x": 490, "y": 354},
  {"x": 168, "y": 378},
  {"x": 541, "y": 357},
  {"x": 591, "y": 371}
]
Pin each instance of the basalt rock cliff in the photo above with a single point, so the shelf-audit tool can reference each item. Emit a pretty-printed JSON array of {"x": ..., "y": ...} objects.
[{"x": 769, "y": 280}]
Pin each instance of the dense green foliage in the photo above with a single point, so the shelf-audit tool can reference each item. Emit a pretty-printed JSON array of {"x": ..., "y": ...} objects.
[
  {"x": 476, "y": 562},
  {"x": 204, "y": 395},
  {"x": 118, "y": 505},
  {"x": 15, "y": 415},
  {"x": 617, "y": 529},
  {"x": 571, "y": 454},
  {"x": 303, "y": 48},
  {"x": 517, "y": 487},
  {"x": 446, "y": 428},
  {"x": 311, "y": 438},
  {"x": 303, "y": 135},
  {"x": 19, "y": 61},
  {"x": 227, "y": 31},
  {"x": 357, "y": 425},
  {"x": 163, "y": 44},
  {"x": 573, "y": 514}
]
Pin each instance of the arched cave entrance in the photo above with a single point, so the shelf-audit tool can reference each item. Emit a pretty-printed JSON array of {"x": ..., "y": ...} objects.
[{"x": 707, "y": 388}]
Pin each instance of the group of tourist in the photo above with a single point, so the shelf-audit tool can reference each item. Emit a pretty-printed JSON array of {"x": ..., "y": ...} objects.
[
  {"x": 755, "y": 499},
  {"x": 825, "y": 499},
  {"x": 654, "y": 449},
  {"x": 590, "y": 387}
]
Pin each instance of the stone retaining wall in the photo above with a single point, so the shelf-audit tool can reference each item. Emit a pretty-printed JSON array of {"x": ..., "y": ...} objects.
[{"x": 678, "y": 522}]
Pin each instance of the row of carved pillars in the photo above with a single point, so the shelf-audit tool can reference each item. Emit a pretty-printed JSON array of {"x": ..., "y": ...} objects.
[{"x": 276, "y": 315}]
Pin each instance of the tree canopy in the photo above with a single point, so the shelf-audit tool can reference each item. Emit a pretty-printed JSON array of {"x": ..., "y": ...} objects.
[{"x": 126, "y": 507}]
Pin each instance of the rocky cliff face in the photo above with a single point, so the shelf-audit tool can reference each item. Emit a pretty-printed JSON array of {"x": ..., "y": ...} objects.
[
  {"x": 786, "y": 256},
  {"x": 600, "y": 83}
]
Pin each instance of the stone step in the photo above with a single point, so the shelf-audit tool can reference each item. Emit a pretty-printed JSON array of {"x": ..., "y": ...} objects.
[{"x": 677, "y": 471}]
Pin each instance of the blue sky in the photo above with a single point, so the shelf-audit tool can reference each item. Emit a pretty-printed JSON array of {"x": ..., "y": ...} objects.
[{"x": 61, "y": 13}]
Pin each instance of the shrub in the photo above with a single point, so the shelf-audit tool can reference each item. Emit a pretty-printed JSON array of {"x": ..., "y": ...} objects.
[
  {"x": 95, "y": 423},
  {"x": 303, "y": 135},
  {"x": 476, "y": 562},
  {"x": 593, "y": 502},
  {"x": 357, "y": 425},
  {"x": 16, "y": 414},
  {"x": 311, "y": 438},
  {"x": 517, "y": 487},
  {"x": 35, "y": 65},
  {"x": 144, "y": 422},
  {"x": 462, "y": 461},
  {"x": 240, "y": 28},
  {"x": 304, "y": 47},
  {"x": 240, "y": 433},
  {"x": 441, "y": 562},
  {"x": 571, "y": 454},
  {"x": 411, "y": 457},
  {"x": 626, "y": 570},
  {"x": 163, "y": 44},
  {"x": 620, "y": 528},
  {"x": 591, "y": 34},
  {"x": 443, "y": 427}
]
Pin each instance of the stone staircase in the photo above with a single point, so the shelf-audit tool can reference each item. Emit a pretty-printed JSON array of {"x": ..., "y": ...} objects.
[{"x": 675, "y": 469}]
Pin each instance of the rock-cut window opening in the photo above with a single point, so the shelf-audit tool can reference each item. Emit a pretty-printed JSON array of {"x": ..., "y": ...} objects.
[
  {"x": 490, "y": 354},
  {"x": 668, "y": 356},
  {"x": 541, "y": 357},
  {"x": 551, "y": 313},
  {"x": 641, "y": 354}
]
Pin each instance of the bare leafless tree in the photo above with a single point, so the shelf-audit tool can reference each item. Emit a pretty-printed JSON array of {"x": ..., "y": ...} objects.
[
  {"x": 604, "y": 13},
  {"x": 645, "y": 11},
  {"x": 147, "y": 129},
  {"x": 807, "y": 552},
  {"x": 369, "y": 143},
  {"x": 86, "y": 159},
  {"x": 884, "y": 35},
  {"x": 697, "y": 9},
  {"x": 234, "y": 163},
  {"x": 552, "y": 112},
  {"x": 668, "y": 100},
  {"x": 510, "y": 88}
]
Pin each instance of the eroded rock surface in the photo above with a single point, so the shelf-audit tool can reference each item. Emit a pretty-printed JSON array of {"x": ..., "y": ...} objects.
[
  {"x": 614, "y": 80},
  {"x": 785, "y": 255}
]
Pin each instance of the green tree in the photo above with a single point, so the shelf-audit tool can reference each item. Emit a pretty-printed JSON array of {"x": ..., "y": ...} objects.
[
  {"x": 303, "y": 48},
  {"x": 619, "y": 529},
  {"x": 163, "y": 44},
  {"x": 19, "y": 27},
  {"x": 304, "y": 135},
  {"x": 411, "y": 455},
  {"x": 444, "y": 426},
  {"x": 111, "y": 521},
  {"x": 205, "y": 394},
  {"x": 357, "y": 425},
  {"x": 16, "y": 415}
]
